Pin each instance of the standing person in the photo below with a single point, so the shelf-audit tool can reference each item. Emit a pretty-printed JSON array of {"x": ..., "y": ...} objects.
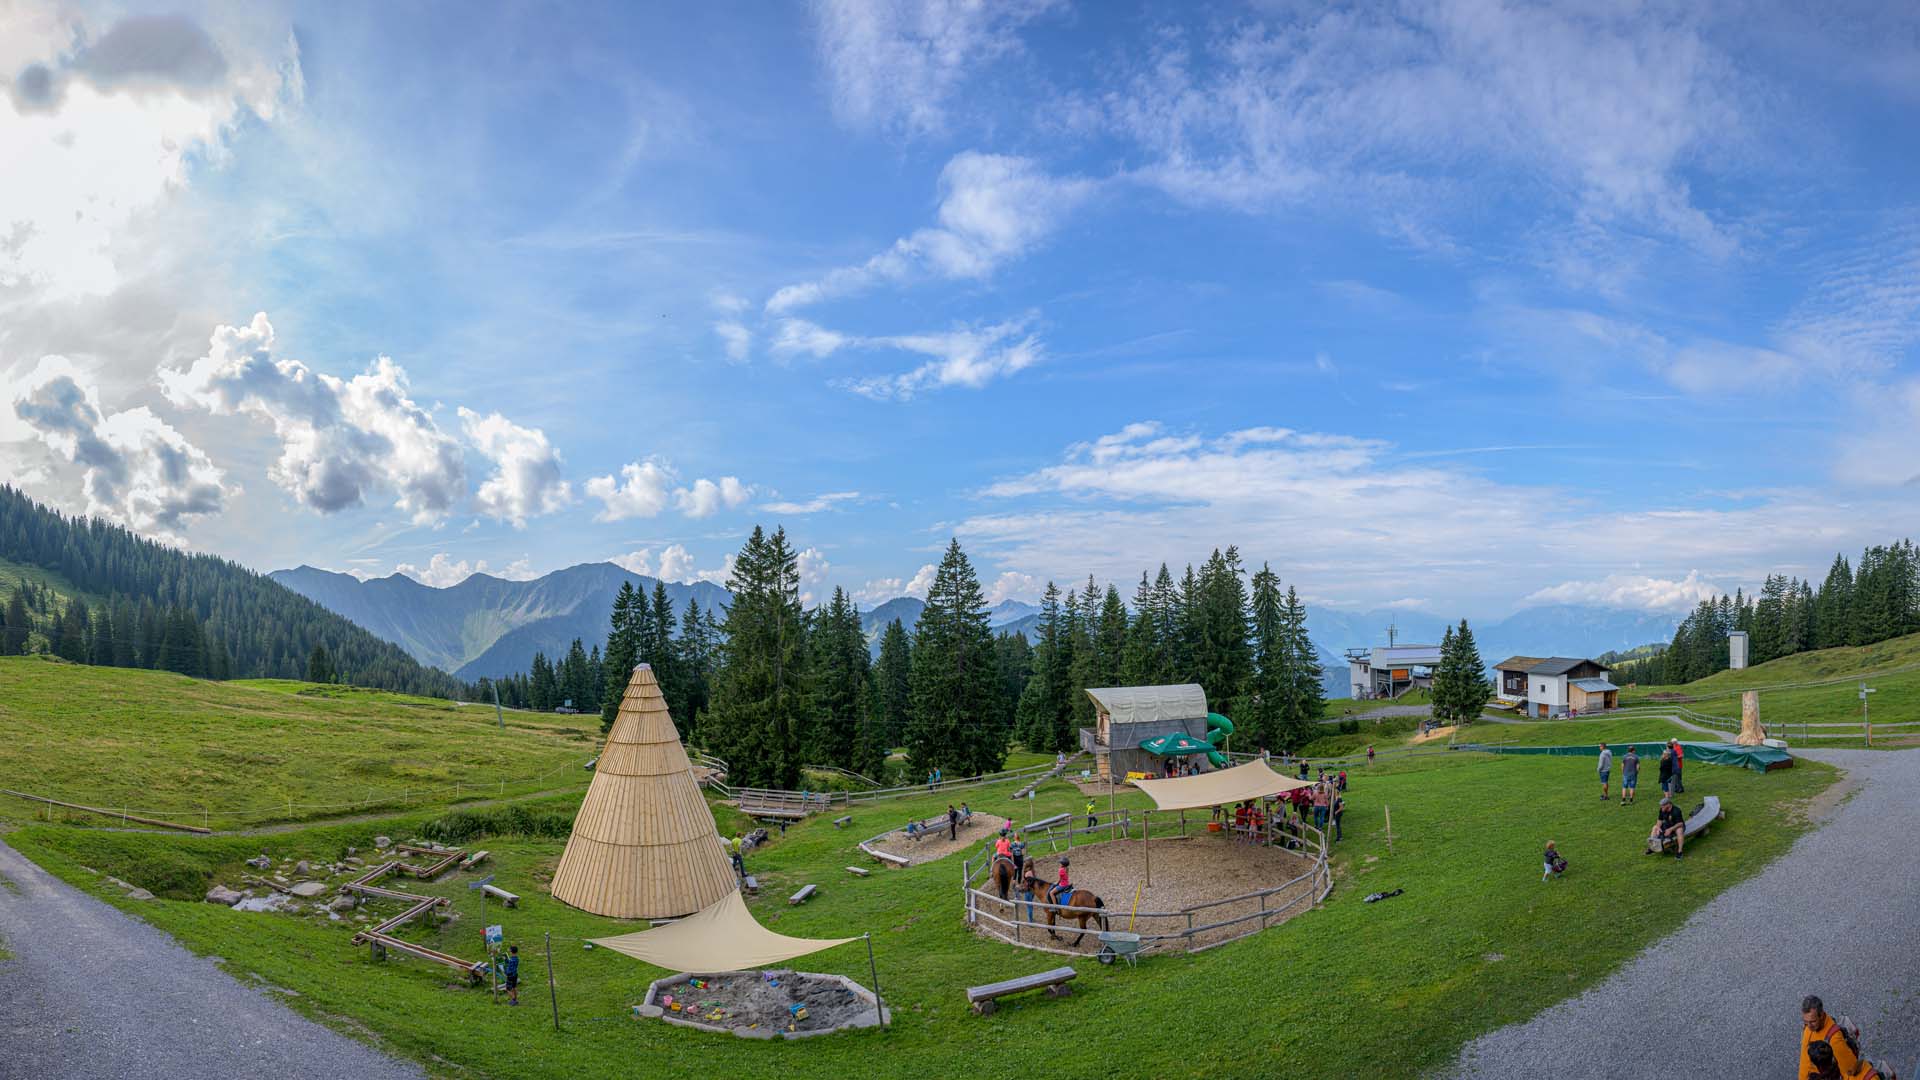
[
  {"x": 1819, "y": 1029},
  {"x": 1369, "y": 753},
  {"x": 734, "y": 850},
  {"x": 1303, "y": 768},
  {"x": 1320, "y": 804},
  {"x": 953, "y": 823},
  {"x": 1339, "y": 811},
  {"x": 512, "y": 970},
  {"x": 1629, "y": 775},
  {"x": 1091, "y": 820},
  {"x": 1666, "y": 771},
  {"x": 1671, "y": 825},
  {"x": 1027, "y": 884},
  {"x": 929, "y": 781},
  {"x": 1606, "y": 769},
  {"x": 1018, "y": 849},
  {"x": 1679, "y": 767}
]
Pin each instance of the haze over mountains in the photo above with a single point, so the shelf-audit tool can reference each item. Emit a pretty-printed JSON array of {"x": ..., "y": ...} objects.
[{"x": 487, "y": 626}]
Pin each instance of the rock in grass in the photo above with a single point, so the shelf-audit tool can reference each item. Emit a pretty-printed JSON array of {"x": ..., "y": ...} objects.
[
  {"x": 222, "y": 895},
  {"x": 382, "y": 843},
  {"x": 260, "y": 863},
  {"x": 343, "y": 902},
  {"x": 308, "y": 889},
  {"x": 302, "y": 867},
  {"x": 139, "y": 894}
]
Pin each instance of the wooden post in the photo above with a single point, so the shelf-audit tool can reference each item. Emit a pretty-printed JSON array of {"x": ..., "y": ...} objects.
[
  {"x": 1388, "y": 810},
  {"x": 551, "y": 994},
  {"x": 1147, "y": 843},
  {"x": 879, "y": 1013}
]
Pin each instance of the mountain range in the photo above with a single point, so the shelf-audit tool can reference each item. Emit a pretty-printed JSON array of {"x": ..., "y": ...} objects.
[{"x": 486, "y": 626}]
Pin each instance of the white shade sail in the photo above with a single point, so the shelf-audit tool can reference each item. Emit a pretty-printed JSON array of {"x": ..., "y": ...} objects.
[
  {"x": 1254, "y": 780},
  {"x": 723, "y": 937}
]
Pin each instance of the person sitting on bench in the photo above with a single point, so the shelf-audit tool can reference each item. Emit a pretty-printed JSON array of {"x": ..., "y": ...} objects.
[
  {"x": 913, "y": 830},
  {"x": 1670, "y": 826},
  {"x": 966, "y": 813}
]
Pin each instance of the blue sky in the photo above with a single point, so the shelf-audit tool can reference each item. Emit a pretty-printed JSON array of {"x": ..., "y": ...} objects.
[{"x": 1457, "y": 306}]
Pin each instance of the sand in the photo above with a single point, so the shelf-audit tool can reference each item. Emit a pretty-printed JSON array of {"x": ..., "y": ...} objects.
[
  {"x": 936, "y": 846},
  {"x": 750, "y": 999}
]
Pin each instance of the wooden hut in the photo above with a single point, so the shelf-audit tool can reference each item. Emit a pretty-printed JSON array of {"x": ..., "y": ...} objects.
[{"x": 644, "y": 845}]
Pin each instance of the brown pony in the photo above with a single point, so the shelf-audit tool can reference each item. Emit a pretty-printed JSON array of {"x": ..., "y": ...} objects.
[
  {"x": 1002, "y": 874},
  {"x": 1080, "y": 905}
]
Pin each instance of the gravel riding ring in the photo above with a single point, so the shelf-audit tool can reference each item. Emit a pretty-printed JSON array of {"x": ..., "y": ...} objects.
[
  {"x": 934, "y": 843},
  {"x": 761, "y": 1004},
  {"x": 1207, "y": 890}
]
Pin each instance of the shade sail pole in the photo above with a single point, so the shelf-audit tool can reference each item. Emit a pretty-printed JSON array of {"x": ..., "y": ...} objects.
[
  {"x": 1147, "y": 832},
  {"x": 873, "y": 972}
]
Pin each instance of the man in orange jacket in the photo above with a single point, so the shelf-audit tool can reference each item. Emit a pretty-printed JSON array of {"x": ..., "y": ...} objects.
[{"x": 1818, "y": 1027}]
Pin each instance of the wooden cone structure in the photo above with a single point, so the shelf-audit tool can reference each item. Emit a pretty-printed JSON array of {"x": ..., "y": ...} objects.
[{"x": 644, "y": 845}]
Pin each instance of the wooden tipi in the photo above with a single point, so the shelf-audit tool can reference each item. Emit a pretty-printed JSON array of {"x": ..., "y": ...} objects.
[{"x": 644, "y": 845}]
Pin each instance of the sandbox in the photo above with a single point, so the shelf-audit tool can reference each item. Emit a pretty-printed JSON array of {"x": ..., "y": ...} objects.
[
  {"x": 1206, "y": 889},
  {"x": 936, "y": 845},
  {"x": 760, "y": 1004}
]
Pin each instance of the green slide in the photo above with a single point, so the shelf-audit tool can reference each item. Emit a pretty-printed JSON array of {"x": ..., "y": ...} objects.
[{"x": 1218, "y": 728}]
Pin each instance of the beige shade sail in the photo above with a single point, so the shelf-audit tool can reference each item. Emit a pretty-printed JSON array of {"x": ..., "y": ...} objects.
[
  {"x": 1250, "y": 781},
  {"x": 723, "y": 937},
  {"x": 644, "y": 845},
  {"x": 1151, "y": 704}
]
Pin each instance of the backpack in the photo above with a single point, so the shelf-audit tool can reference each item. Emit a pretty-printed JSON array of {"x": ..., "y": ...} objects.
[{"x": 1849, "y": 1031}]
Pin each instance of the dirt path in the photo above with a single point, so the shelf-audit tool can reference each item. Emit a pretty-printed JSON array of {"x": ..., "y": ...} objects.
[
  {"x": 94, "y": 993},
  {"x": 1836, "y": 916}
]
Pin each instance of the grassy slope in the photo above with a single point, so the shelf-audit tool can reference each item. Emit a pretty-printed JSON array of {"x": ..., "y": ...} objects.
[
  {"x": 1897, "y": 699},
  {"x": 158, "y": 741},
  {"x": 1476, "y": 942}
]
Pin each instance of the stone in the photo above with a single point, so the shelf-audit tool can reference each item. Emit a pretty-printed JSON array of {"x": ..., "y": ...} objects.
[
  {"x": 117, "y": 883},
  {"x": 220, "y": 894},
  {"x": 260, "y": 863},
  {"x": 302, "y": 867},
  {"x": 653, "y": 1012},
  {"x": 343, "y": 903},
  {"x": 139, "y": 894},
  {"x": 382, "y": 843},
  {"x": 308, "y": 889},
  {"x": 756, "y": 1033},
  {"x": 353, "y": 851}
]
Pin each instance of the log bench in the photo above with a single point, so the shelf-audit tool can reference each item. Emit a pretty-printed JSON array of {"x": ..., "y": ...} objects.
[
  {"x": 751, "y": 883},
  {"x": 858, "y": 871},
  {"x": 1046, "y": 823},
  {"x": 843, "y": 822},
  {"x": 500, "y": 894},
  {"x": 1706, "y": 814},
  {"x": 889, "y": 857},
  {"x": 983, "y": 999},
  {"x": 801, "y": 897}
]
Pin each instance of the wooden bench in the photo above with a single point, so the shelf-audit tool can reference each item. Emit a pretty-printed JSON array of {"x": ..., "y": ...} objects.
[
  {"x": 801, "y": 897},
  {"x": 983, "y": 998},
  {"x": 500, "y": 894},
  {"x": 752, "y": 883},
  {"x": 889, "y": 857},
  {"x": 474, "y": 860},
  {"x": 1706, "y": 814},
  {"x": 1046, "y": 823},
  {"x": 843, "y": 822},
  {"x": 858, "y": 871}
]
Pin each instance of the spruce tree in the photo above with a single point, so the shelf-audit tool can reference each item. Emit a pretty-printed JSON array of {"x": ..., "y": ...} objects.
[
  {"x": 1259, "y": 724},
  {"x": 891, "y": 673},
  {"x": 951, "y": 688},
  {"x": 319, "y": 665},
  {"x": 622, "y": 651},
  {"x": 841, "y": 661},
  {"x": 1307, "y": 699},
  {"x": 1460, "y": 686},
  {"x": 762, "y": 689}
]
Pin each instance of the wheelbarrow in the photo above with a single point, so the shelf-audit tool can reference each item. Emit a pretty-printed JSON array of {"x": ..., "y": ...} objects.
[{"x": 1118, "y": 943}]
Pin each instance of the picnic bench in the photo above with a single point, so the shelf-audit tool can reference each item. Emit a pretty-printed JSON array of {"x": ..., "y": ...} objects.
[
  {"x": 983, "y": 998},
  {"x": 801, "y": 897},
  {"x": 843, "y": 821},
  {"x": 500, "y": 894},
  {"x": 1706, "y": 814}
]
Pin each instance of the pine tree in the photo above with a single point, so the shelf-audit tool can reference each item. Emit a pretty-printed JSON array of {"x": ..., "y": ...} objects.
[
  {"x": 890, "y": 685},
  {"x": 841, "y": 661},
  {"x": 1141, "y": 661},
  {"x": 951, "y": 685},
  {"x": 623, "y": 648},
  {"x": 762, "y": 690},
  {"x": 1460, "y": 686},
  {"x": 1042, "y": 712},
  {"x": 319, "y": 665},
  {"x": 16, "y": 627},
  {"x": 1306, "y": 699},
  {"x": 543, "y": 688},
  {"x": 1259, "y": 724}
]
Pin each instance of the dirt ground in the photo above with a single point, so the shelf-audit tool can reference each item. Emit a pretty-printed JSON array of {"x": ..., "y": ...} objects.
[
  {"x": 1197, "y": 869},
  {"x": 763, "y": 999},
  {"x": 936, "y": 846},
  {"x": 1436, "y": 733}
]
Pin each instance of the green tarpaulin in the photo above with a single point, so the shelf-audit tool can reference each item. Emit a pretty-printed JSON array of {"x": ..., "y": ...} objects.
[
  {"x": 1175, "y": 745},
  {"x": 1757, "y": 758}
]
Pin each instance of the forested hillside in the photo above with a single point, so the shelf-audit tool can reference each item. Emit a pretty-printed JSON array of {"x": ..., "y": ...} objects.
[{"x": 122, "y": 601}]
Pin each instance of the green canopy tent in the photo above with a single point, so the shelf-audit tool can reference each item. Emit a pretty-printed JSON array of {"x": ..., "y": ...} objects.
[{"x": 1176, "y": 745}]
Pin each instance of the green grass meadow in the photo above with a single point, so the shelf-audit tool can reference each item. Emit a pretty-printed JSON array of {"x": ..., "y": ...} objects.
[{"x": 1475, "y": 942}]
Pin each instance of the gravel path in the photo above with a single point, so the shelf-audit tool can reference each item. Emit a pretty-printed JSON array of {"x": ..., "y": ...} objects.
[
  {"x": 1837, "y": 916},
  {"x": 94, "y": 993},
  {"x": 1383, "y": 711}
]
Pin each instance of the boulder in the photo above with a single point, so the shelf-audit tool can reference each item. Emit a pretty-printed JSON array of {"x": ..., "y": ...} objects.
[
  {"x": 139, "y": 894},
  {"x": 343, "y": 902},
  {"x": 382, "y": 843},
  {"x": 353, "y": 851},
  {"x": 308, "y": 889},
  {"x": 302, "y": 867},
  {"x": 260, "y": 863},
  {"x": 220, "y": 894}
]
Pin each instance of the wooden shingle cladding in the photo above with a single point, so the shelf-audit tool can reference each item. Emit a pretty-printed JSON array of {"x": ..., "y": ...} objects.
[{"x": 644, "y": 844}]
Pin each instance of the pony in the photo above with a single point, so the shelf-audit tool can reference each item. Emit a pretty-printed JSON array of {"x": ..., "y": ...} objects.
[
  {"x": 1002, "y": 873},
  {"x": 1079, "y": 905}
]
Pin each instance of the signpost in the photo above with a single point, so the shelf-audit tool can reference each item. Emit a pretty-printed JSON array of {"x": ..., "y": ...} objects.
[
  {"x": 494, "y": 938},
  {"x": 1864, "y": 718}
]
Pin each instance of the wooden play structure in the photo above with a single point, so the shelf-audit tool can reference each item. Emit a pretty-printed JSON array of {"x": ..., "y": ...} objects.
[
  {"x": 644, "y": 844},
  {"x": 380, "y": 937}
]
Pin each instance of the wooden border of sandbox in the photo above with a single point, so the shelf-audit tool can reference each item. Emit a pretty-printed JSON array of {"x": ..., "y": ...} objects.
[
  {"x": 1119, "y": 825},
  {"x": 874, "y": 1015}
]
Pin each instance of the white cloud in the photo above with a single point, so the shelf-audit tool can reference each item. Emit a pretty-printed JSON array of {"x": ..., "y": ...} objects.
[
  {"x": 796, "y": 336},
  {"x": 706, "y": 498},
  {"x": 736, "y": 338},
  {"x": 442, "y": 571},
  {"x": 1013, "y": 585},
  {"x": 139, "y": 471},
  {"x": 676, "y": 563},
  {"x": 99, "y": 126},
  {"x": 879, "y": 591},
  {"x": 817, "y": 504},
  {"x": 638, "y": 562},
  {"x": 896, "y": 65},
  {"x": 641, "y": 490},
  {"x": 922, "y": 581},
  {"x": 812, "y": 566},
  {"x": 993, "y": 208},
  {"x": 340, "y": 439},
  {"x": 1636, "y": 591},
  {"x": 970, "y": 357},
  {"x": 526, "y": 479}
]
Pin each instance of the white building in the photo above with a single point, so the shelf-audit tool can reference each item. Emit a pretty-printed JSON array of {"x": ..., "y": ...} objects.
[
  {"x": 1391, "y": 670},
  {"x": 1554, "y": 686}
]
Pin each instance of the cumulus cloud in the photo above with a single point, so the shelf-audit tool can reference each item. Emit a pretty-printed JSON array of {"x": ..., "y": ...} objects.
[
  {"x": 676, "y": 563},
  {"x": 896, "y": 65},
  {"x": 812, "y": 566},
  {"x": 641, "y": 490},
  {"x": 638, "y": 562},
  {"x": 795, "y": 337},
  {"x": 921, "y": 581},
  {"x": 341, "y": 439},
  {"x": 707, "y": 498},
  {"x": 444, "y": 571},
  {"x": 817, "y": 504},
  {"x": 139, "y": 470},
  {"x": 1636, "y": 591},
  {"x": 969, "y": 357},
  {"x": 526, "y": 480},
  {"x": 1014, "y": 585},
  {"x": 993, "y": 208},
  {"x": 880, "y": 590},
  {"x": 735, "y": 338}
]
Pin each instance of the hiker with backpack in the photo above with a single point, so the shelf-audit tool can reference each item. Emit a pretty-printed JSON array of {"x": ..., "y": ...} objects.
[{"x": 1830, "y": 1048}]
